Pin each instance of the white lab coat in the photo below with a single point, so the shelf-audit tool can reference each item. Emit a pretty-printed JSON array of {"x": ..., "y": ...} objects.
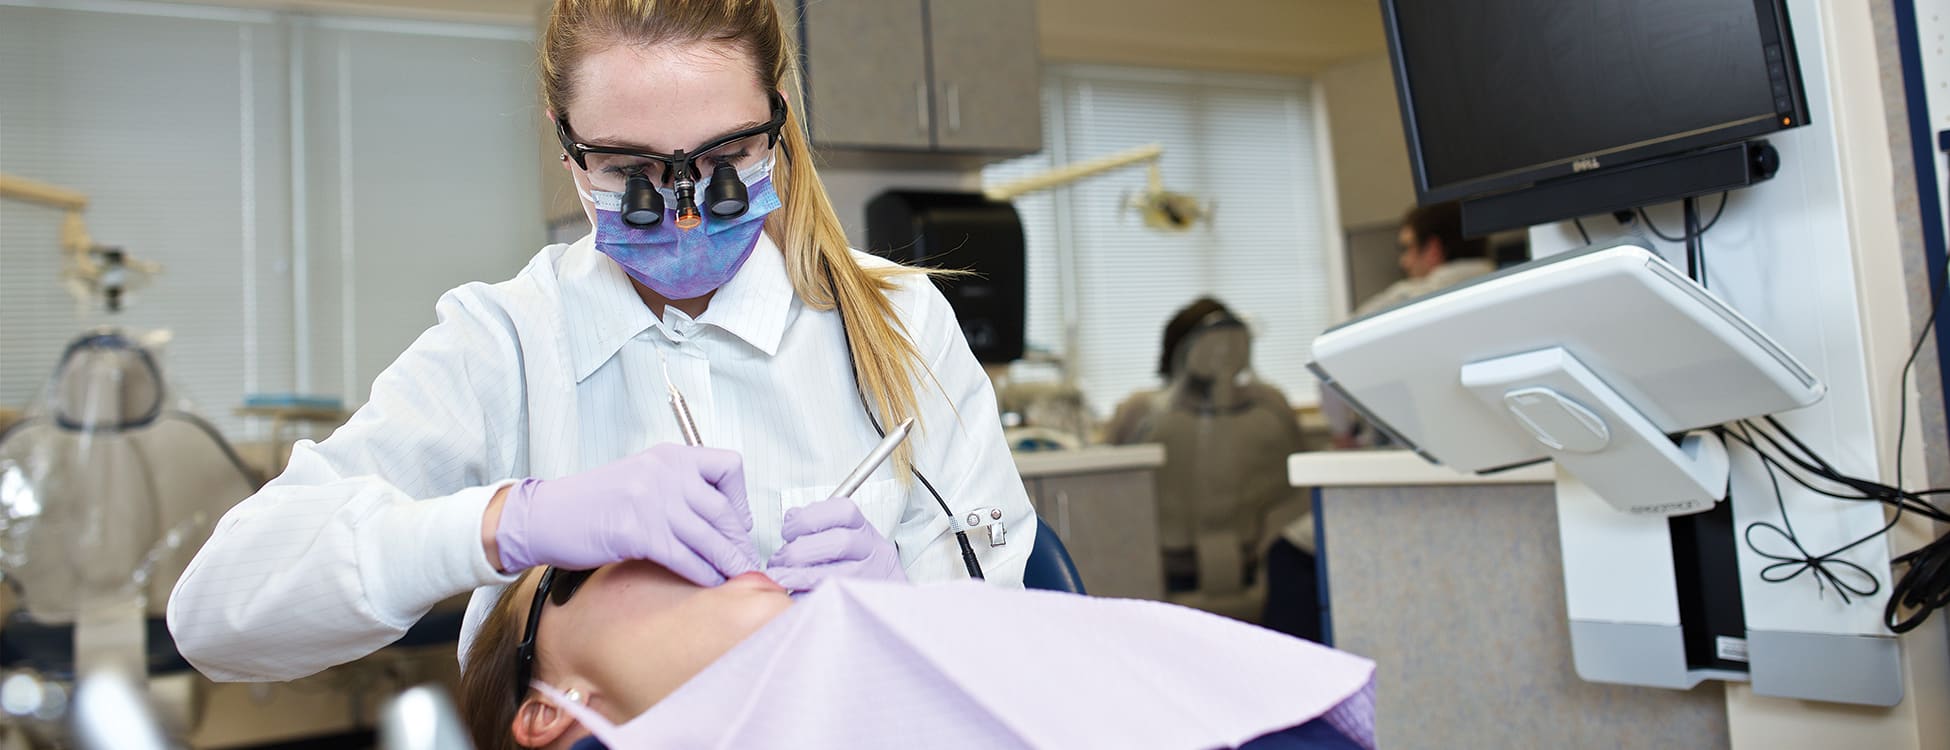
[{"x": 555, "y": 372}]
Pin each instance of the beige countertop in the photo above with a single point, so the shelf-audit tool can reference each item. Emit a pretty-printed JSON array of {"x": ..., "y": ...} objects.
[
  {"x": 1396, "y": 469},
  {"x": 1095, "y": 459}
]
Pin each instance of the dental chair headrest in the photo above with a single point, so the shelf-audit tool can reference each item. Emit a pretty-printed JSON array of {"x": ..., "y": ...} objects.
[{"x": 106, "y": 381}]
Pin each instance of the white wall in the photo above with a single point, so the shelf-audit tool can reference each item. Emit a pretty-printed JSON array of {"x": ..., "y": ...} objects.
[
  {"x": 1371, "y": 172},
  {"x": 1808, "y": 258},
  {"x": 1285, "y": 37}
]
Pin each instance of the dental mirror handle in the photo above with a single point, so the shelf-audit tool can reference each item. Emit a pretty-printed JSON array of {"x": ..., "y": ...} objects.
[{"x": 874, "y": 460}]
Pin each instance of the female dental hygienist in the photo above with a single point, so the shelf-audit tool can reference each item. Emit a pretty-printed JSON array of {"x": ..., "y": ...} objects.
[{"x": 530, "y": 426}]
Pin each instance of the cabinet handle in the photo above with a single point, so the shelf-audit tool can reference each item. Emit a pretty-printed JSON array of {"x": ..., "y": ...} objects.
[
  {"x": 921, "y": 105},
  {"x": 954, "y": 108},
  {"x": 1063, "y": 514}
]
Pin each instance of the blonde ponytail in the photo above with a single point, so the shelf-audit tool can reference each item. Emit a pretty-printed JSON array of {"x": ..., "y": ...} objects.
[{"x": 889, "y": 368}]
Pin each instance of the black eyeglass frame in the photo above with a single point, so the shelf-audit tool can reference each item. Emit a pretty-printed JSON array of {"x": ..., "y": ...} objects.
[
  {"x": 687, "y": 161},
  {"x": 525, "y": 650}
]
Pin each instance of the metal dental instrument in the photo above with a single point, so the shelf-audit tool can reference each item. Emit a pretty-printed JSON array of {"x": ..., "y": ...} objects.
[
  {"x": 678, "y": 407},
  {"x": 874, "y": 460}
]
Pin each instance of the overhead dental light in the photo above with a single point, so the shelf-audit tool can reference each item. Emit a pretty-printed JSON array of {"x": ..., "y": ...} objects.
[
  {"x": 1161, "y": 209},
  {"x": 91, "y": 272}
]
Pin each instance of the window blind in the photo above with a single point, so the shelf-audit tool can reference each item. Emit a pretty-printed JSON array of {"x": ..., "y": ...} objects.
[
  {"x": 1247, "y": 146},
  {"x": 305, "y": 268},
  {"x": 162, "y": 121}
]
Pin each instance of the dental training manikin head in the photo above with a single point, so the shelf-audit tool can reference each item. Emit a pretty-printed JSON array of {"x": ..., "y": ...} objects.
[{"x": 629, "y": 636}]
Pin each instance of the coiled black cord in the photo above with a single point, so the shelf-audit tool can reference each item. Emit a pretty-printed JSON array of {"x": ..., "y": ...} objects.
[
  {"x": 1925, "y": 586},
  {"x": 1826, "y": 568}
]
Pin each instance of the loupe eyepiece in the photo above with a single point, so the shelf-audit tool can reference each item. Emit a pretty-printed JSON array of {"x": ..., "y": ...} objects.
[
  {"x": 726, "y": 198},
  {"x": 643, "y": 206}
]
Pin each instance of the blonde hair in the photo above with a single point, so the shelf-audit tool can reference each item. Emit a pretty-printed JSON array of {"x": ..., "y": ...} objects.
[{"x": 817, "y": 258}]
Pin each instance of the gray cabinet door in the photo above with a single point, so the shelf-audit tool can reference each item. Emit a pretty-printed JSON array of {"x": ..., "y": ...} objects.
[
  {"x": 1109, "y": 523},
  {"x": 867, "y": 73},
  {"x": 987, "y": 76}
]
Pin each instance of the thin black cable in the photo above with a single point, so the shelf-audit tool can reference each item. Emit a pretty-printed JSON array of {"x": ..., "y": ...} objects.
[
  {"x": 1699, "y": 244},
  {"x": 1925, "y": 585},
  {"x": 968, "y": 559},
  {"x": 1819, "y": 566},
  {"x": 1868, "y": 490},
  {"x": 1689, "y": 209},
  {"x": 1722, "y": 208},
  {"x": 1647, "y": 220},
  {"x": 1579, "y": 223}
]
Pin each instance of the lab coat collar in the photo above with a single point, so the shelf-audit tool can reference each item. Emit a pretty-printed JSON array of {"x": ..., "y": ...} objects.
[
  {"x": 756, "y": 303},
  {"x": 602, "y": 311}
]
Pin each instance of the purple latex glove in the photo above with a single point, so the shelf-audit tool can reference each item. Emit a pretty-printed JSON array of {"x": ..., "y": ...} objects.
[
  {"x": 830, "y": 538},
  {"x": 679, "y": 506}
]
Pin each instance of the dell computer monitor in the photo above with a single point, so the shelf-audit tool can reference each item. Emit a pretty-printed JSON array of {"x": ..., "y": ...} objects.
[{"x": 1501, "y": 95}]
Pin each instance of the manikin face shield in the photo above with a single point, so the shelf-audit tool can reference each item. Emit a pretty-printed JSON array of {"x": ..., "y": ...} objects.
[
  {"x": 639, "y": 174},
  {"x": 109, "y": 483}
]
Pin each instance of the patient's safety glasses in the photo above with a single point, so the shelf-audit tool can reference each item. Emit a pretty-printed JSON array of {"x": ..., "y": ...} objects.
[
  {"x": 556, "y": 586},
  {"x": 636, "y": 173}
]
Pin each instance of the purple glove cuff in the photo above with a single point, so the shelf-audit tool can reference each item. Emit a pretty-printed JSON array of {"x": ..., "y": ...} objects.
[{"x": 511, "y": 536}]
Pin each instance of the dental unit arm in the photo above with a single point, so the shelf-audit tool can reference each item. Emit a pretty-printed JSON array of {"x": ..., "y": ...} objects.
[{"x": 89, "y": 269}]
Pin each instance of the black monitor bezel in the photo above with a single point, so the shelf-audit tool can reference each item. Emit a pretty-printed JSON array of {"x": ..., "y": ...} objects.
[{"x": 1774, "y": 29}]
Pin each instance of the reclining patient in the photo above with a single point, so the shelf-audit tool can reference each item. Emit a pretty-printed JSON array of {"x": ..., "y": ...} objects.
[{"x": 638, "y": 657}]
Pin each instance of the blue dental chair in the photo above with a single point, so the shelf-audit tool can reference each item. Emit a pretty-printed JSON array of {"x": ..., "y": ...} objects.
[{"x": 1050, "y": 567}]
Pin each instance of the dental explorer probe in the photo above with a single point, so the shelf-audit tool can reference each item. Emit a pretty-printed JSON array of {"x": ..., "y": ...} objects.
[
  {"x": 679, "y": 407},
  {"x": 874, "y": 460}
]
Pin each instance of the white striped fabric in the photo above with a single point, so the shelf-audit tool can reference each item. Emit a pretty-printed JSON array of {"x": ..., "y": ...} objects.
[{"x": 554, "y": 372}]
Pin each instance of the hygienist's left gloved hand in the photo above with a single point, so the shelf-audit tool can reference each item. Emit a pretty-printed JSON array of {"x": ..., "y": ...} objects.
[{"x": 831, "y": 539}]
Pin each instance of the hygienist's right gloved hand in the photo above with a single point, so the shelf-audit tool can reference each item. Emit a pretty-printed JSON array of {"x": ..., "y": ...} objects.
[{"x": 679, "y": 506}]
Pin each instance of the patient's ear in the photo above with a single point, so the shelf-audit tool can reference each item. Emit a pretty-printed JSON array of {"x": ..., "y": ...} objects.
[{"x": 539, "y": 723}]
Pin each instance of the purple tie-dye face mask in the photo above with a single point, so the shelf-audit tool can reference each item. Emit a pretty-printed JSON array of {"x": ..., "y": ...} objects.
[{"x": 683, "y": 264}]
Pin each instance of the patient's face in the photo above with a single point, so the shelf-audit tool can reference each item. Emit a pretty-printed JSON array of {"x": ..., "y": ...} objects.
[{"x": 634, "y": 631}]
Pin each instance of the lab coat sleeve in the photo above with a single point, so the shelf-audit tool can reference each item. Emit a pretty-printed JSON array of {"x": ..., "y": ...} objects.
[
  {"x": 363, "y": 533},
  {"x": 962, "y": 452}
]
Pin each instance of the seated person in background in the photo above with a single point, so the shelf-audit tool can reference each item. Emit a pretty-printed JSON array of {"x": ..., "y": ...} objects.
[
  {"x": 1435, "y": 256},
  {"x": 638, "y": 657},
  {"x": 1227, "y": 437},
  {"x": 1133, "y": 416}
]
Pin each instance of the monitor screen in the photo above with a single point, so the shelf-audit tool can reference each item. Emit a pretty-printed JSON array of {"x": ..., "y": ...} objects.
[{"x": 1501, "y": 88}]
